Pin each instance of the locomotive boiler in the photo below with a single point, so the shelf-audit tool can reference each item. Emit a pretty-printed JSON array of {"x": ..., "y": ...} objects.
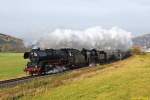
[{"x": 43, "y": 61}]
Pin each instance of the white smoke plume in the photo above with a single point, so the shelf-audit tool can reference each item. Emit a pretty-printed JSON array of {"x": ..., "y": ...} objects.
[{"x": 95, "y": 37}]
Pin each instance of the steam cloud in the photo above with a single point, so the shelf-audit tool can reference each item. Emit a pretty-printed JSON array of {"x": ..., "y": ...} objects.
[{"x": 95, "y": 37}]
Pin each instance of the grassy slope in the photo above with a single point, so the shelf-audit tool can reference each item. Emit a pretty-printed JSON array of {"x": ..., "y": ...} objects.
[
  {"x": 11, "y": 65},
  {"x": 124, "y": 80}
]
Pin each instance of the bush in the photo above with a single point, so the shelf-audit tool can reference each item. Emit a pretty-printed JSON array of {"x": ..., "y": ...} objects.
[{"x": 137, "y": 50}]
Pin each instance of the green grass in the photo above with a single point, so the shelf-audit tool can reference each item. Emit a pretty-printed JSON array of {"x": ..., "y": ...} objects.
[
  {"x": 123, "y": 80},
  {"x": 11, "y": 65}
]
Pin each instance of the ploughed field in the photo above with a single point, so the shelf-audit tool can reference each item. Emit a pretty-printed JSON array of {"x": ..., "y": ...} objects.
[
  {"x": 11, "y": 65},
  {"x": 123, "y": 80}
]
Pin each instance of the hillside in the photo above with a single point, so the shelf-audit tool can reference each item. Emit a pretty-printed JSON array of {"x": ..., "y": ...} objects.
[
  {"x": 142, "y": 40},
  {"x": 123, "y": 80},
  {"x": 11, "y": 44}
]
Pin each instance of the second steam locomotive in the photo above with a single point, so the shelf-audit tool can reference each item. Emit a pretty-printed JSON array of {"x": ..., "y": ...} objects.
[{"x": 57, "y": 60}]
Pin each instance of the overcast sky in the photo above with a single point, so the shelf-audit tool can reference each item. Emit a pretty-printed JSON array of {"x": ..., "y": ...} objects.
[{"x": 24, "y": 16}]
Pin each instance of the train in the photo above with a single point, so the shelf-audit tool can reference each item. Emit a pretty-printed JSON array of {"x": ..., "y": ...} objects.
[{"x": 45, "y": 61}]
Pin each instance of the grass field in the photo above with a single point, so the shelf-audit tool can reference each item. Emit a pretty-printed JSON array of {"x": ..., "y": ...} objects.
[
  {"x": 123, "y": 80},
  {"x": 11, "y": 65}
]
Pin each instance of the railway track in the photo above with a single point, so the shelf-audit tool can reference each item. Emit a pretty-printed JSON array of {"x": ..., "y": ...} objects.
[
  {"x": 26, "y": 79},
  {"x": 16, "y": 81}
]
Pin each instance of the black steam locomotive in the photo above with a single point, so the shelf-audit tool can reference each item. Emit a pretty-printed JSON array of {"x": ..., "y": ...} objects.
[{"x": 56, "y": 60}]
